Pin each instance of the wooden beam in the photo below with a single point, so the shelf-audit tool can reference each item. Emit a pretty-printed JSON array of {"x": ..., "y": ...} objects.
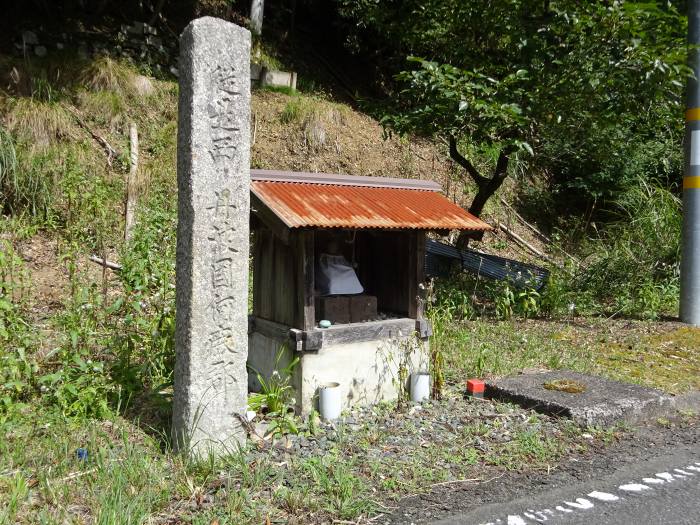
[
  {"x": 423, "y": 328},
  {"x": 268, "y": 217},
  {"x": 305, "y": 311},
  {"x": 317, "y": 338},
  {"x": 416, "y": 275},
  {"x": 258, "y": 240},
  {"x": 277, "y": 331},
  {"x": 369, "y": 331}
]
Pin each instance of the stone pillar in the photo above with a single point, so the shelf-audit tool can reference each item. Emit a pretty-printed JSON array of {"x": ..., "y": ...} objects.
[{"x": 213, "y": 176}]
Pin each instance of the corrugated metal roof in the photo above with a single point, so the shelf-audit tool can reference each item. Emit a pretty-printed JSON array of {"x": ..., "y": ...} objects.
[
  {"x": 316, "y": 204},
  {"x": 343, "y": 180},
  {"x": 484, "y": 264}
]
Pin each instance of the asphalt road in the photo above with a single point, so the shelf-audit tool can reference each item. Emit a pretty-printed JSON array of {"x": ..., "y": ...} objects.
[{"x": 662, "y": 490}]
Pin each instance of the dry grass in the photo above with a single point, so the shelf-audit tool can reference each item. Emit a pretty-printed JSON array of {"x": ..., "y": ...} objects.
[
  {"x": 305, "y": 133},
  {"x": 107, "y": 74},
  {"x": 38, "y": 123},
  {"x": 669, "y": 360}
]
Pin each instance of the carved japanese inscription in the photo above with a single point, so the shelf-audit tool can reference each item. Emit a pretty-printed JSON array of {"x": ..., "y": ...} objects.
[{"x": 212, "y": 257}]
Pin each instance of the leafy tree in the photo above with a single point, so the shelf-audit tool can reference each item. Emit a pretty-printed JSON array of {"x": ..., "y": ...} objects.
[{"x": 573, "y": 87}]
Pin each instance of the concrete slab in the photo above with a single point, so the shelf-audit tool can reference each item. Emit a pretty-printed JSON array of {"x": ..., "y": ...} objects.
[{"x": 603, "y": 403}]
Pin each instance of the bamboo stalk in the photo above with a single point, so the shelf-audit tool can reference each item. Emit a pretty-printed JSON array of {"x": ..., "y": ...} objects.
[
  {"x": 522, "y": 242},
  {"x": 536, "y": 231}
]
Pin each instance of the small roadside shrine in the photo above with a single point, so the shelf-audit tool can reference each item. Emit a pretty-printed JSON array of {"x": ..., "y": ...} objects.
[{"x": 350, "y": 251}]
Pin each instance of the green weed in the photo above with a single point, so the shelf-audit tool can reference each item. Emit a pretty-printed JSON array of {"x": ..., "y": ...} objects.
[
  {"x": 343, "y": 493},
  {"x": 275, "y": 398},
  {"x": 17, "y": 367},
  {"x": 107, "y": 74},
  {"x": 293, "y": 111}
]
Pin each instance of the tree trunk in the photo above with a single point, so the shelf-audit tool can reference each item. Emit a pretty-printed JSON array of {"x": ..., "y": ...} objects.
[
  {"x": 486, "y": 186},
  {"x": 487, "y": 189}
]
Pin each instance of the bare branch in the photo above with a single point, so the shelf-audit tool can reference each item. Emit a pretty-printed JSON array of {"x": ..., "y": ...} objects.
[
  {"x": 105, "y": 263},
  {"x": 112, "y": 153}
]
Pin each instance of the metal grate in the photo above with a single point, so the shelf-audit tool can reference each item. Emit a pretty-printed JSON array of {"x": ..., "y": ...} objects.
[{"x": 441, "y": 258}]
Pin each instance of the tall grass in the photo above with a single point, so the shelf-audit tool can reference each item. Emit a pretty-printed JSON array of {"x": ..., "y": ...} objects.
[
  {"x": 26, "y": 186},
  {"x": 635, "y": 264},
  {"x": 8, "y": 167}
]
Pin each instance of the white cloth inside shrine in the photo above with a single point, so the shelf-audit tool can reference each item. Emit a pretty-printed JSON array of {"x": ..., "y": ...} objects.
[{"x": 336, "y": 276}]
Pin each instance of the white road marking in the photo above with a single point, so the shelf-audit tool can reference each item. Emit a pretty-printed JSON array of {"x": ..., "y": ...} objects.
[
  {"x": 536, "y": 515},
  {"x": 634, "y": 487},
  {"x": 603, "y": 496},
  {"x": 533, "y": 517},
  {"x": 581, "y": 503},
  {"x": 584, "y": 504},
  {"x": 653, "y": 481}
]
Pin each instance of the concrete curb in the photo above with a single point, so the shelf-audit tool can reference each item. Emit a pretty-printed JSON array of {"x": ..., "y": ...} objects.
[{"x": 604, "y": 402}]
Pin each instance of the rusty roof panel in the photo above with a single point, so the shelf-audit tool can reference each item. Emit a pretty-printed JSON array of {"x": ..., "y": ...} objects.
[{"x": 301, "y": 205}]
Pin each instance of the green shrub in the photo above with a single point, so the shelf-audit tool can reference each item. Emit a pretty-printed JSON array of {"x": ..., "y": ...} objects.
[
  {"x": 144, "y": 324},
  {"x": 298, "y": 109},
  {"x": 17, "y": 368}
]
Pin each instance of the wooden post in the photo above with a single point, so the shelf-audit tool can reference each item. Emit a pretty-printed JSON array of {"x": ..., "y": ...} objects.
[
  {"x": 131, "y": 183},
  {"x": 416, "y": 274},
  {"x": 306, "y": 311}
]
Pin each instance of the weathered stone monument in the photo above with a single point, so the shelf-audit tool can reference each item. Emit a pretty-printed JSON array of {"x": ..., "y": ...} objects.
[{"x": 213, "y": 173}]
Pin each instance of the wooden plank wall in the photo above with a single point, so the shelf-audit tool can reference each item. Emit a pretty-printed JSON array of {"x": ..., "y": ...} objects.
[
  {"x": 283, "y": 278},
  {"x": 275, "y": 279}
]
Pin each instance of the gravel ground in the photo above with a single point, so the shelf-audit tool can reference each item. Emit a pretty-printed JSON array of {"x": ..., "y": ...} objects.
[{"x": 430, "y": 449}]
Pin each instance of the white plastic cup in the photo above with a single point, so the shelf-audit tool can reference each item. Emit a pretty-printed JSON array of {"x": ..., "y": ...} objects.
[
  {"x": 329, "y": 401},
  {"x": 420, "y": 386}
]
